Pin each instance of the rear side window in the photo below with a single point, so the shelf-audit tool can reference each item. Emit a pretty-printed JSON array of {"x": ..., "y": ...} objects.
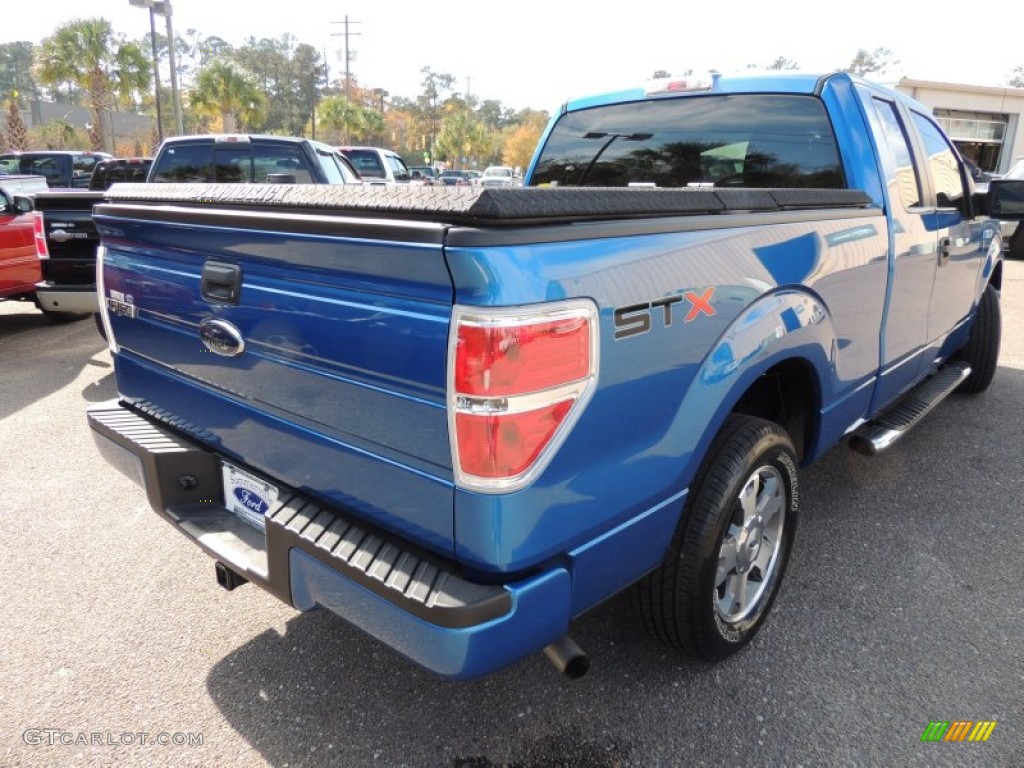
[
  {"x": 757, "y": 140},
  {"x": 185, "y": 163}
]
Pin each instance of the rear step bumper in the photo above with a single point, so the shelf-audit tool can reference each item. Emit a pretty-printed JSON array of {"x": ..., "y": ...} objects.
[
  {"x": 67, "y": 298},
  {"x": 311, "y": 556}
]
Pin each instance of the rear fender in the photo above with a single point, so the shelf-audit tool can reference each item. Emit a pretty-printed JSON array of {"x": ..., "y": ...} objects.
[{"x": 781, "y": 326}]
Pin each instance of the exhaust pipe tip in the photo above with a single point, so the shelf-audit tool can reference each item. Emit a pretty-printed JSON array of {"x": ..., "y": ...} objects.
[{"x": 568, "y": 658}]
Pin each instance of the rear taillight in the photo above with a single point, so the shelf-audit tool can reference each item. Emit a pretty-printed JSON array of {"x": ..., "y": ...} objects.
[
  {"x": 39, "y": 235},
  {"x": 101, "y": 296},
  {"x": 518, "y": 380}
]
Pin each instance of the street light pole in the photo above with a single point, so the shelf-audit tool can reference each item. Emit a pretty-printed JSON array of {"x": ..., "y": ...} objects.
[
  {"x": 313, "y": 104},
  {"x": 156, "y": 77},
  {"x": 164, "y": 7},
  {"x": 156, "y": 64}
]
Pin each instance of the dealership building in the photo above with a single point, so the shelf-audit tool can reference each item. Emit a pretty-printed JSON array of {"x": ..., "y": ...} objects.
[{"x": 986, "y": 123}]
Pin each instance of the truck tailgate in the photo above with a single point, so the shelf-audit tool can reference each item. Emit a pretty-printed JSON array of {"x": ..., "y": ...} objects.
[{"x": 310, "y": 346}]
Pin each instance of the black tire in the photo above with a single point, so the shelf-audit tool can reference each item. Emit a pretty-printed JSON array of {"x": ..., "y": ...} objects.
[
  {"x": 1015, "y": 248},
  {"x": 63, "y": 317},
  {"x": 981, "y": 351},
  {"x": 686, "y": 602}
]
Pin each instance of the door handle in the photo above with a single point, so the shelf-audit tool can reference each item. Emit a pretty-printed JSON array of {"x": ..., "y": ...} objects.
[
  {"x": 949, "y": 244},
  {"x": 221, "y": 282}
]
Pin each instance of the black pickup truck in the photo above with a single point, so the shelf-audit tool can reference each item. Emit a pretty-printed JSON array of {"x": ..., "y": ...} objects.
[
  {"x": 68, "y": 249},
  {"x": 62, "y": 168}
]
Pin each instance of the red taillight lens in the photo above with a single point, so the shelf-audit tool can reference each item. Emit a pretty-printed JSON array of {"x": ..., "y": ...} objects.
[
  {"x": 39, "y": 235},
  {"x": 517, "y": 384},
  {"x": 495, "y": 361},
  {"x": 506, "y": 445}
]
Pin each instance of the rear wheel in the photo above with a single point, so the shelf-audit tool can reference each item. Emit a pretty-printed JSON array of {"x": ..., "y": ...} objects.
[
  {"x": 728, "y": 556},
  {"x": 981, "y": 351},
  {"x": 1015, "y": 247}
]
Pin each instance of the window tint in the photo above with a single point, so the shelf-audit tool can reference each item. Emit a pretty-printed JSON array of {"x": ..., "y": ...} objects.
[
  {"x": 330, "y": 167},
  {"x": 84, "y": 164},
  {"x": 185, "y": 163},
  {"x": 50, "y": 167},
  {"x": 899, "y": 153},
  {"x": 366, "y": 162},
  {"x": 943, "y": 166},
  {"x": 398, "y": 168},
  {"x": 232, "y": 166},
  {"x": 267, "y": 159},
  {"x": 743, "y": 141},
  {"x": 106, "y": 174}
]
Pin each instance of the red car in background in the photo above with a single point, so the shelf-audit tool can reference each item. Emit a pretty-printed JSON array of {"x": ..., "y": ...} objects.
[
  {"x": 22, "y": 241},
  {"x": 19, "y": 262}
]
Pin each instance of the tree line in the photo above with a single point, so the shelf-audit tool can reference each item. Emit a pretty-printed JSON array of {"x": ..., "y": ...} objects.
[{"x": 277, "y": 86}]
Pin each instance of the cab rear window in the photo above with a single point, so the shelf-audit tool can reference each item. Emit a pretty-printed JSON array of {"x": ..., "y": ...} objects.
[{"x": 756, "y": 140}]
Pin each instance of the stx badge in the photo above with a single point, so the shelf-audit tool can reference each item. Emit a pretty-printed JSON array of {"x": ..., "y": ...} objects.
[{"x": 634, "y": 319}]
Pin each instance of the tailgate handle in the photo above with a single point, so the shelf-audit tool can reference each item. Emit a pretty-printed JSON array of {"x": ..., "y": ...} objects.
[{"x": 221, "y": 282}]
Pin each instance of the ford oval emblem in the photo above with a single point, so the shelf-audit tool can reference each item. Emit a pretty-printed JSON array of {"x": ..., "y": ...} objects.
[
  {"x": 221, "y": 337},
  {"x": 251, "y": 501}
]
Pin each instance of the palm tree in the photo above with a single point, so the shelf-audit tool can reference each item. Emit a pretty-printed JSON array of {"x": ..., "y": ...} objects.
[
  {"x": 224, "y": 89},
  {"x": 339, "y": 114},
  {"x": 373, "y": 126},
  {"x": 86, "y": 54}
]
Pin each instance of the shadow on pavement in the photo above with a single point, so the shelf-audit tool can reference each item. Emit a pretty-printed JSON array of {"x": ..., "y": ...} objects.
[{"x": 39, "y": 357}]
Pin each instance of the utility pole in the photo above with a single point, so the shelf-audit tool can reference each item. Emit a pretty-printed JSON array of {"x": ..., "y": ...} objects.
[{"x": 348, "y": 56}]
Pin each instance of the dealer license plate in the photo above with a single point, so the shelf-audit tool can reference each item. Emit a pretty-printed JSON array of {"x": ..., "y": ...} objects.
[{"x": 247, "y": 496}]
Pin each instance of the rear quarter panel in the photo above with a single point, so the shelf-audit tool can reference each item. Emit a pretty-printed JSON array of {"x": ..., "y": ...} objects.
[{"x": 777, "y": 286}]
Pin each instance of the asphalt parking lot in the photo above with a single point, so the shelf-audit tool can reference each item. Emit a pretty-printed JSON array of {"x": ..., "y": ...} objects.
[{"x": 903, "y": 605}]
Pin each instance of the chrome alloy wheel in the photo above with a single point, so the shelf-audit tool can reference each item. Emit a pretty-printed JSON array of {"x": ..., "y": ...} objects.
[{"x": 750, "y": 548}]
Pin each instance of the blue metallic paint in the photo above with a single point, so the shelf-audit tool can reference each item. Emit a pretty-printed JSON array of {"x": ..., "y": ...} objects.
[
  {"x": 371, "y": 321},
  {"x": 662, "y": 395},
  {"x": 539, "y": 616}
]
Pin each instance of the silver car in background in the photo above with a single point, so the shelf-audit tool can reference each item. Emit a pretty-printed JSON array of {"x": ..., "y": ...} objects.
[{"x": 498, "y": 176}]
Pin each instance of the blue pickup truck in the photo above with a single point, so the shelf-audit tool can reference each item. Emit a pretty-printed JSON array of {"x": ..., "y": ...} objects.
[{"x": 460, "y": 418}]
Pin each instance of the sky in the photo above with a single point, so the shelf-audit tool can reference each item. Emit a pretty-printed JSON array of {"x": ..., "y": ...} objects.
[{"x": 527, "y": 53}]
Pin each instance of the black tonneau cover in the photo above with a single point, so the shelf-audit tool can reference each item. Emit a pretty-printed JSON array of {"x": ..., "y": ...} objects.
[{"x": 493, "y": 207}]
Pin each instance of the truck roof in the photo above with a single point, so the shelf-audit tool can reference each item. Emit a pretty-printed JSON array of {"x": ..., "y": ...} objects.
[{"x": 740, "y": 82}]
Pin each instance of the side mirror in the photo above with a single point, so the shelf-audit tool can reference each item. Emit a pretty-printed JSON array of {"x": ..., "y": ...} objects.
[
  {"x": 23, "y": 204},
  {"x": 1006, "y": 199}
]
